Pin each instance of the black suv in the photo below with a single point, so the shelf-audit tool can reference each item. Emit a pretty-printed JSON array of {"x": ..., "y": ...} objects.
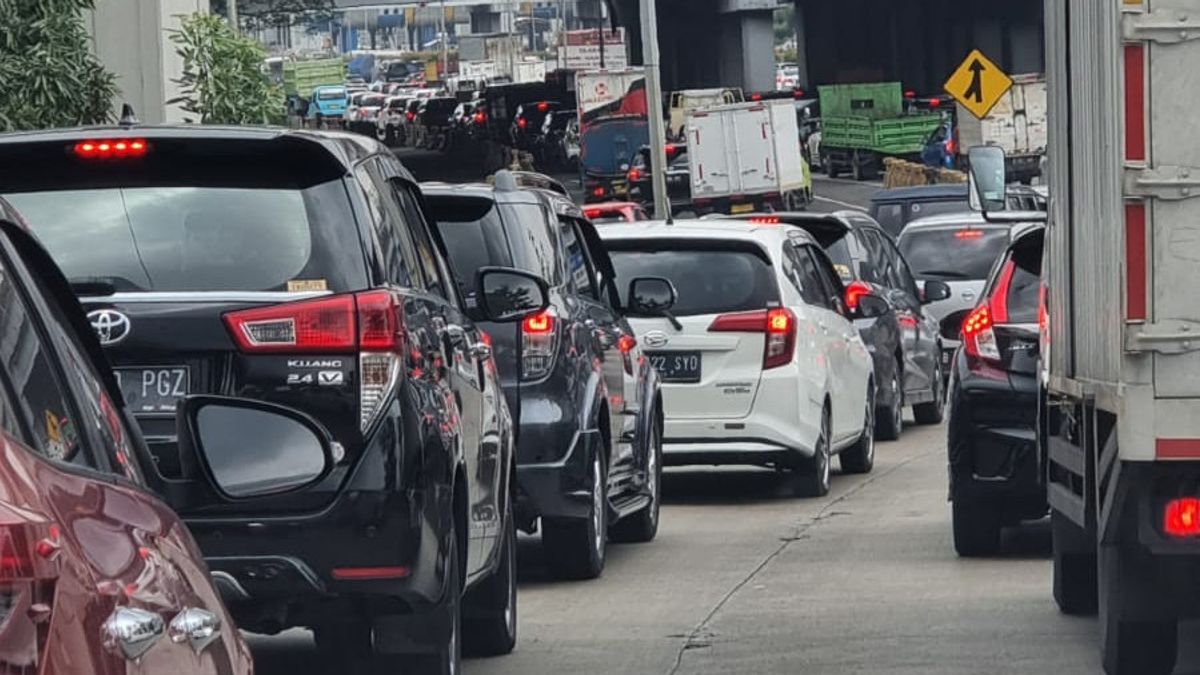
[
  {"x": 904, "y": 341},
  {"x": 298, "y": 268},
  {"x": 590, "y": 416}
]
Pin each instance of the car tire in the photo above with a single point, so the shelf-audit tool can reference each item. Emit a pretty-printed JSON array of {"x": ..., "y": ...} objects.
[
  {"x": 490, "y": 611},
  {"x": 890, "y": 418},
  {"x": 576, "y": 547},
  {"x": 831, "y": 168},
  {"x": 860, "y": 457},
  {"x": 976, "y": 526},
  {"x": 856, "y": 169},
  {"x": 814, "y": 477},
  {"x": 447, "y": 659},
  {"x": 641, "y": 527},
  {"x": 933, "y": 412}
]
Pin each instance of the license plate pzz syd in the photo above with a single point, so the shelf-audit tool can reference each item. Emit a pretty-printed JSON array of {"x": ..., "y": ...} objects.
[{"x": 676, "y": 366}]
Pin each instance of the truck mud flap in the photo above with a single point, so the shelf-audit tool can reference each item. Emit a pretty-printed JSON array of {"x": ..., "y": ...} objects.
[{"x": 1082, "y": 466}]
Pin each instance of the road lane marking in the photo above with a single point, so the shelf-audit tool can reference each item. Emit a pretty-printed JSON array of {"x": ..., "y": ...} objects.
[{"x": 848, "y": 205}]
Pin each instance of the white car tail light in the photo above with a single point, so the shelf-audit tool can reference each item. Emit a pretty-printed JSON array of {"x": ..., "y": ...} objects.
[{"x": 779, "y": 325}]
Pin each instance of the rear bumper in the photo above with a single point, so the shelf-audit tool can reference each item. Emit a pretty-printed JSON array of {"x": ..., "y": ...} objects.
[
  {"x": 992, "y": 441},
  {"x": 559, "y": 488}
]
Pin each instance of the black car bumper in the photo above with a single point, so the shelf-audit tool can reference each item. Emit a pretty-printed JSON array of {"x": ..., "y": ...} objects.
[{"x": 992, "y": 439}]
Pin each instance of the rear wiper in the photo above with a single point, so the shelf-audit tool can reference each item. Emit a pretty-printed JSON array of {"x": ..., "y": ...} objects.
[
  {"x": 943, "y": 273},
  {"x": 88, "y": 287}
]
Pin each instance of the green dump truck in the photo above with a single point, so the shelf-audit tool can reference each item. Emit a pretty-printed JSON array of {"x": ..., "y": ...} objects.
[
  {"x": 863, "y": 123},
  {"x": 302, "y": 78}
]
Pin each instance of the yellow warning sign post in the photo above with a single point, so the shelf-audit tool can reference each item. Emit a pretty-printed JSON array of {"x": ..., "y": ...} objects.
[{"x": 978, "y": 84}]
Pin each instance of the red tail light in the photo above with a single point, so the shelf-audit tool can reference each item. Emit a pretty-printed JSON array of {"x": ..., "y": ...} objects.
[
  {"x": 950, "y": 145},
  {"x": 627, "y": 343},
  {"x": 598, "y": 191},
  {"x": 1181, "y": 517},
  {"x": 480, "y": 117},
  {"x": 979, "y": 340},
  {"x": 543, "y": 107},
  {"x": 635, "y": 175},
  {"x": 910, "y": 94},
  {"x": 798, "y": 93},
  {"x": 591, "y": 214},
  {"x": 113, "y": 148},
  {"x": 968, "y": 234},
  {"x": 854, "y": 291},
  {"x": 779, "y": 325},
  {"x": 28, "y": 572},
  {"x": 671, "y": 150},
  {"x": 539, "y": 334},
  {"x": 756, "y": 97},
  {"x": 522, "y": 123},
  {"x": 935, "y": 103},
  {"x": 410, "y": 116},
  {"x": 765, "y": 220}
]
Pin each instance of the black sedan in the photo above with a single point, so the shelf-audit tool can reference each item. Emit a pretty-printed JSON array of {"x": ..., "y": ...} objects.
[
  {"x": 904, "y": 342},
  {"x": 994, "y": 468},
  {"x": 679, "y": 189}
]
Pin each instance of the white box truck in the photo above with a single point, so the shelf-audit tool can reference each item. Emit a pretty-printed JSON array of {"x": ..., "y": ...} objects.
[
  {"x": 1017, "y": 124},
  {"x": 1120, "y": 429},
  {"x": 746, "y": 157}
]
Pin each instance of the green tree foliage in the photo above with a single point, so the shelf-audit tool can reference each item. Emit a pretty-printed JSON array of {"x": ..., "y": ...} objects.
[
  {"x": 48, "y": 74},
  {"x": 223, "y": 80}
]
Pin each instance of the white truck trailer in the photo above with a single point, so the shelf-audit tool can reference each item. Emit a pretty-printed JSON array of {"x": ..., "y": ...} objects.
[
  {"x": 1017, "y": 124},
  {"x": 746, "y": 157},
  {"x": 1121, "y": 425}
]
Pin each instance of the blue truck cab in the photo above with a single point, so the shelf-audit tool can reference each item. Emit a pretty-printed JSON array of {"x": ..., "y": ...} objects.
[{"x": 327, "y": 101}]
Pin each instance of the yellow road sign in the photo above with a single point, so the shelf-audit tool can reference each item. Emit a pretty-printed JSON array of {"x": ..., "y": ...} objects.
[{"x": 978, "y": 84}]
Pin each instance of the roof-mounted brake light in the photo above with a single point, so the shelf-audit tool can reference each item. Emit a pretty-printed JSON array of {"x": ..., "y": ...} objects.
[{"x": 111, "y": 148}]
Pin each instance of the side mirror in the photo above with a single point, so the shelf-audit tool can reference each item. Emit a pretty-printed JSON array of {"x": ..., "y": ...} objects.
[
  {"x": 250, "y": 448},
  {"x": 934, "y": 290},
  {"x": 871, "y": 306},
  {"x": 507, "y": 294},
  {"x": 651, "y": 296},
  {"x": 987, "y": 178}
]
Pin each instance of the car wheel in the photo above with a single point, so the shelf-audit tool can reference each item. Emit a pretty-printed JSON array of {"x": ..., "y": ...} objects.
[
  {"x": 813, "y": 479},
  {"x": 860, "y": 457},
  {"x": 831, "y": 168},
  {"x": 575, "y": 548},
  {"x": 642, "y": 526},
  {"x": 891, "y": 417},
  {"x": 447, "y": 659},
  {"x": 933, "y": 412},
  {"x": 490, "y": 626},
  {"x": 976, "y": 526}
]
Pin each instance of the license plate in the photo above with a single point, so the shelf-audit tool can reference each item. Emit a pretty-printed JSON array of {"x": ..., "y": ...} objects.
[
  {"x": 741, "y": 208},
  {"x": 154, "y": 389},
  {"x": 676, "y": 366}
]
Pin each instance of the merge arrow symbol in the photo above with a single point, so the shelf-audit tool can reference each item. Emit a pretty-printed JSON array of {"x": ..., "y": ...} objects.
[{"x": 976, "y": 88}]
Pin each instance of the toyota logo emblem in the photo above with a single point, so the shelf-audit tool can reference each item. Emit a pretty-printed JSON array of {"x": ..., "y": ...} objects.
[
  {"x": 655, "y": 338},
  {"x": 110, "y": 325}
]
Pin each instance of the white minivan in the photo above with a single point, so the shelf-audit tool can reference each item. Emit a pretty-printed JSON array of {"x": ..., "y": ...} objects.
[{"x": 760, "y": 361}]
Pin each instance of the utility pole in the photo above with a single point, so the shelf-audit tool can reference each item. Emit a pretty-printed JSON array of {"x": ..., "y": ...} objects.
[
  {"x": 600, "y": 30},
  {"x": 445, "y": 45},
  {"x": 233, "y": 15},
  {"x": 654, "y": 102}
]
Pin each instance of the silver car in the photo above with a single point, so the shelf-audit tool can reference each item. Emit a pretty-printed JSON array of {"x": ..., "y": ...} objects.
[{"x": 959, "y": 249}]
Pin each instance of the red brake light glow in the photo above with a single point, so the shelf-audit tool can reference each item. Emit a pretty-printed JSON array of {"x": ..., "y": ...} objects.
[
  {"x": 598, "y": 191},
  {"x": 121, "y": 147},
  {"x": 480, "y": 117},
  {"x": 968, "y": 234},
  {"x": 778, "y": 324},
  {"x": 935, "y": 103},
  {"x": 854, "y": 291},
  {"x": 627, "y": 343},
  {"x": 369, "y": 573},
  {"x": 671, "y": 150},
  {"x": 591, "y": 213},
  {"x": 543, "y": 106},
  {"x": 1181, "y": 517},
  {"x": 779, "y": 321},
  {"x": 635, "y": 175},
  {"x": 910, "y": 94},
  {"x": 756, "y": 97},
  {"x": 538, "y": 323},
  {"x": 765, "y": 220},
  {"x": 522, "y": 123},
  {"x": 411, "y": 116}
]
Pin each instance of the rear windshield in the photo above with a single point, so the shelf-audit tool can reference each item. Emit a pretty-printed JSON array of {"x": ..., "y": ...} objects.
[
  {"x": 708, "y": 281},
  {"x": 953, "y": 254},
  {"x": 1024, "y": 288},
  {"x": 937, "y": 208},
  {"x": 374, "y": 101},
  {"x": 398, "y": 104},
  {"x": 331, "y": 94},
  {"x": 480, "y": 233},
  {"x": 199, "y": 238}
]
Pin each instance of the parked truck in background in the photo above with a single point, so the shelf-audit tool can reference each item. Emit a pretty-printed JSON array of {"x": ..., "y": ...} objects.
[
  {"x": 1017, "y": 124},
  {"x": 861, "y": 124},
  {"x": 301, "y": 80},
  {"x": 691, "y": 99},
  {"x": 746, "y": 157},
  {"x": 1120, "y": 428},
  {"x": 614, "y": 124}
]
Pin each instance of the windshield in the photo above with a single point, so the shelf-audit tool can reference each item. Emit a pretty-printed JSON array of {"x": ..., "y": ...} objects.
[
  {"x": 707, "y": 281},
  {"x": 197, "y": 238},
  {"x": 953, "y": 253},
  {"x": 331, "y": 94}
]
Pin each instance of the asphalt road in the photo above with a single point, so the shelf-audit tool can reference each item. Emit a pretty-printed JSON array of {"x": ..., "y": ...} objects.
[{"x": 745, "y": 579}]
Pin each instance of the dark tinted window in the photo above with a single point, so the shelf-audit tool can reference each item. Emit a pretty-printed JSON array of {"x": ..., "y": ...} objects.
[
  {"x": 374, "y": 100},
  {"x": 200, "y": 238},
  {"x": 811, "y": 287},
  {"x": 578, "y": 265},
  {"x": 953, "y": 253},
  {"x": 531, "y": 240},
  {"x": 890, "y": 217},
  {"x": 474, "y": 236},
  {"x": 388, "y": 227},
  {"x": 427, "y": 255},
  {"x": 1023, "y": 290},
  {"x": 708, "y": 281}
]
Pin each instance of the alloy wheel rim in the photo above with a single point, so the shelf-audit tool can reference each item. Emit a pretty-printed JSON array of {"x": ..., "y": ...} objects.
[
  {"x": 897, "y": 405},
  {"x": 510, "y": 616},
  {"x": 652, "y": 474},
  {"x": 452, "y": 646},
  {"x": 825, "y": 468},
  {"x": 597, "y": 505}
]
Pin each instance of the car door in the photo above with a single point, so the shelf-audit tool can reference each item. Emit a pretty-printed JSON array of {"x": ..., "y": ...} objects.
[
  {"x": 904, "y": 304},
  {"x": 138, "y": 563},
  {"x": 840, "y": 337},
  {"x": 923, "y": 354},
  {"x": 604, "y": 326},
  {"x": 464, "y": 350}
]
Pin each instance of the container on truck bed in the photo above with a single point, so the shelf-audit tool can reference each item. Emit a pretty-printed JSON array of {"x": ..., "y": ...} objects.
[
  {"x": 861, "y": 124},
  {"x": 746, "y": 157},
  {"x": 1121, "y": 428},
  {"x": 1017, "y": 123}
]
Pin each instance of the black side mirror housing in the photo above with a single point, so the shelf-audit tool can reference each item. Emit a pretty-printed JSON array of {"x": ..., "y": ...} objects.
[
  {"x": 248, "y": 449},
  {"x": 505, "y": 295},
  {"x": 934, "y": 291},
  {"x": 871, "y": 306},
  {"x": 651, "y": 296}
]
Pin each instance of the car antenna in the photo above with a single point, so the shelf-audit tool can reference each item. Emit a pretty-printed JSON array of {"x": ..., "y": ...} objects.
[{"x": 128, "y": 117}]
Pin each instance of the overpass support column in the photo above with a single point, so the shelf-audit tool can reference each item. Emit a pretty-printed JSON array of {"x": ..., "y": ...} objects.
[
  {"x": 747, "y": 40},
  {"x": 485, "y": 19}
]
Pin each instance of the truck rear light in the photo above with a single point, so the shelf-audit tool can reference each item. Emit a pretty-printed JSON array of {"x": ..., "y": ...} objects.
[
  {"x": 368, "y": 323},
  {"x": 777, "y": 323},
  {"x": 1181, "y": 517},
  {"x": 635, "y": 175},
  {"x": 539, "y": 334},
  {"x": 854, "y": 291}
]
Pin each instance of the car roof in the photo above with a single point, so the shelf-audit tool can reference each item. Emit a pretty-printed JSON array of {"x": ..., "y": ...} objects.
[
  {"x": 940, "y": 191},
  {"x": 521, "y": 195},
  {"x": 610, "y": 205},
  {"x": 972, "y": 218},
  {"x": 346, "y": 148},
  {"x": 732, "y": 230}
]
